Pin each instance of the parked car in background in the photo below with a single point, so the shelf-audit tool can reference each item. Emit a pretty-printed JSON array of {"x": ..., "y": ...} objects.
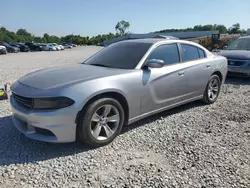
[
  {"x": 238, "y": 56},
  {"x": 49, "y": 47},
  {"x": 34, "y": 46},
  {"x": 67, "y": 46},
  {"x": 9, "y": 48},
  {"x": 61, "y": 46},
  {"x": 22, "y": 47},
  {"x": 101, "y": 44},
  {"x": 3, "y": 50},
  {"x": 121, "y": 84},
  {"x": 56, "y": 46},
  {"x": 74, "y": 45}
]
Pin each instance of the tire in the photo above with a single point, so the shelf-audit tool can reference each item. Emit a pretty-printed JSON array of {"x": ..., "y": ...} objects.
[
  {"x": 207, "y": 96},
  {"x": 89, "y": 124},
  {"x": 50, "y": 49}
]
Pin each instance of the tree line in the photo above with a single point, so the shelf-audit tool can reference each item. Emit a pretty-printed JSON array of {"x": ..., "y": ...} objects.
[
  {"x": 22, "y": 35},
  {"x": 122, "y": 27},
  {"x": 234, "y": 29}
]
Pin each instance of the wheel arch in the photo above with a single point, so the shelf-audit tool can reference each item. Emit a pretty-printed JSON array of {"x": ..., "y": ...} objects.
[
  {"x": 218, "y": 73},
  {"x": 112, "y": 94}
]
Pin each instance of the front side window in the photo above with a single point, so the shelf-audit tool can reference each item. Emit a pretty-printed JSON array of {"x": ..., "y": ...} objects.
[
  {"x": 189, "y": 52},
  {"x": 123, "y": 55},
  {"x": 169, "y": 53}
]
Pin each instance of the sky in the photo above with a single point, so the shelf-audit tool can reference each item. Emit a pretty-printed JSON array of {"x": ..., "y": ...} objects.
[{"x": 93, "y": 17}]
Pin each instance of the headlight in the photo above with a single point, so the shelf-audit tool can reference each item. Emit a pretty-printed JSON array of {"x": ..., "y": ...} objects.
[{"x": 52, "y": 103}]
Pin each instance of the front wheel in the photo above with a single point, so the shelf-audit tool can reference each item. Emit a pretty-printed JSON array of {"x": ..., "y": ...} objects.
[
  {"x": 212, "y": 90},
  {"x": 101, "y": 122}
]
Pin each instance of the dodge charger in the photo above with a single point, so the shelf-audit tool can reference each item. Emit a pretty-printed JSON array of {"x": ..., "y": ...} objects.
[{"x": 129, "y": 80}]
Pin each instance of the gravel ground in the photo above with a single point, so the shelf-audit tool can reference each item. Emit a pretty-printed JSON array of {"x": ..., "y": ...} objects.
[{"x": 190, "y": 146}]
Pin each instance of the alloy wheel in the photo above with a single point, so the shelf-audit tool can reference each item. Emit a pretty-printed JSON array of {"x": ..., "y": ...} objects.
[
  {"x": 213, "y": 88},
  {"x": 104, "y": 122}
]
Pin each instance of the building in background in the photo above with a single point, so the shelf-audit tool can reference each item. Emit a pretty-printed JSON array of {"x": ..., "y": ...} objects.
[{"x": 178, "y": 35}]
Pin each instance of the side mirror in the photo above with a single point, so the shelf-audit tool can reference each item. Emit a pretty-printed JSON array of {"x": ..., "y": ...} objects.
[
  {"x": 224, "y": 47},
  {"x": 154, "y": 63}
]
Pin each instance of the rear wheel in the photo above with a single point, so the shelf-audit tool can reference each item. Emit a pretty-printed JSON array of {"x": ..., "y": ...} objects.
[
  {"x": 212, "y": 90},
  {"x": 101, "y": 122}
]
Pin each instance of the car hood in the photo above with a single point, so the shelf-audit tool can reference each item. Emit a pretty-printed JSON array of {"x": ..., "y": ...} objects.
[
  {"x": 235, "y": 54},
  {"x": 63, "y": 75}
]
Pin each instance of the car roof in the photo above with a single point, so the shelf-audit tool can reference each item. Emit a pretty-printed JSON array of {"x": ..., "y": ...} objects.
[
  {"x": 146, "y": 40},
  {"x": 158, "y": 40}
]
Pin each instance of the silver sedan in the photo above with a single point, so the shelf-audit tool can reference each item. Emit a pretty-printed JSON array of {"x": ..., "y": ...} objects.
[
  {"x": 48, "y": 47},
  {"x": 119, "y": 85}
]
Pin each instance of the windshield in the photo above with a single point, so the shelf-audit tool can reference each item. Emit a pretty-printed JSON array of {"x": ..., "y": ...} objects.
[
  {"x": 240, "y": 44},
  {"x": 123, "y": 55}
]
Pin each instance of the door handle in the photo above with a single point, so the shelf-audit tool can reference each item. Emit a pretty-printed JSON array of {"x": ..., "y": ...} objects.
[
  {"x": 181, "y": 73},
  {"x": 208, "y": 65}
]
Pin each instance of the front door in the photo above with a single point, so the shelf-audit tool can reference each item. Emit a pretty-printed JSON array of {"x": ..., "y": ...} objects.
[{"x": 164, "y": 86}]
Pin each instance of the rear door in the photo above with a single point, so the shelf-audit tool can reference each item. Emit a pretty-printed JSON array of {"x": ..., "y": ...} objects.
[
  {"x": 198, "y": 69},
  {"x": 164, "y": 86}
]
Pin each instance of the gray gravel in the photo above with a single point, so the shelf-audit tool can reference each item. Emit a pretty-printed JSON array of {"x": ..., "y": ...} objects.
[{"x": 190, "y": 146}]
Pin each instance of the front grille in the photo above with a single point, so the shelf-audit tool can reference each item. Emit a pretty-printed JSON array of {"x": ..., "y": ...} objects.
[
  {"x": 237, "y": 63},
  {"x": 23, "y": 101}
]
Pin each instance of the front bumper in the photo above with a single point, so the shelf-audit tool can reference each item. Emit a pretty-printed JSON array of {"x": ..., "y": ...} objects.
[
  {"x": 241, "y": 71},
  {"x": 16, "y": 50},
  {"x": 26, "y": 50},
  {"x": 57, "y": 126}
]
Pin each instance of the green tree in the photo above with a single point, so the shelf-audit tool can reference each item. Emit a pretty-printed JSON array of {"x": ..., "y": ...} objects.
[
  {"x": 23, "y": 32},
  {"x": 208, "y": 27},
  {"x": 221, "y": 28},
  {"x": 243, "y": 31},
  {"x": 46, "y": 37},
  {"x": 235, "y": 29},
  {"x": 122, "y": 26}
]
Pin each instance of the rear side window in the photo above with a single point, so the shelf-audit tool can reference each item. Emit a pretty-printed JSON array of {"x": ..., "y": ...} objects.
[
  {"x": 189, "y": 52},
  {"x": 201, "y": 53},
  {"x": 169, "y": 53}
]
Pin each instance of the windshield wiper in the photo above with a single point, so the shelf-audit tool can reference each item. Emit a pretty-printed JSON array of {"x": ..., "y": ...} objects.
[{"x": 100, "y": 65}]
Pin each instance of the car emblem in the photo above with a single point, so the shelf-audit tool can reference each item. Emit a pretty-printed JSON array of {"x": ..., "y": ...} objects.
[{"x": 231, "y": 62}]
